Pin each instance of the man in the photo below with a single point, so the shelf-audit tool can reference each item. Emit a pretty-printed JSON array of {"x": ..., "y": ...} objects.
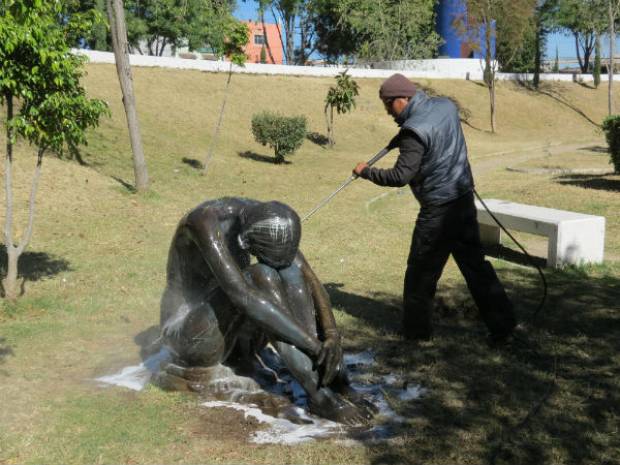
[
  {"x": 219, "y": 308},
  {"x": 433, "y": 161}
]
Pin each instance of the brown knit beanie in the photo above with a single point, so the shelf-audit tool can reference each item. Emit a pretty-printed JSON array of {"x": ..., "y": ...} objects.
[{"x": 395, "y": 86}]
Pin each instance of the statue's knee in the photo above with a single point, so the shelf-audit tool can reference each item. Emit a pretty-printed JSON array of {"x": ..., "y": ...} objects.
[
  {"x": 293, "y": 277},
  {"x": 263, "y": 276}
]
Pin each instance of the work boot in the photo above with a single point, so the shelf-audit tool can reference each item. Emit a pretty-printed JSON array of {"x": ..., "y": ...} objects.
[
  {"x": 414, "y": 331},
  {"x": 507, "y": 339}
]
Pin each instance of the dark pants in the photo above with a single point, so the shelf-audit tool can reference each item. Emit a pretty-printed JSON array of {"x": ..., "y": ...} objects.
[{"x": 442, "y": 230}]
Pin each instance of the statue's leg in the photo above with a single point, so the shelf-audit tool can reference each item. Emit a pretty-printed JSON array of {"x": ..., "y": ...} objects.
[
  {"x": 192, "y": 330},
  {"x": 289, "y": 288}
]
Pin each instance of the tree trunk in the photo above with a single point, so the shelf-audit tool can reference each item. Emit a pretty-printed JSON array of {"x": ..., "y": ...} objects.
[
  {"x": 492, "y": 99},
  {"x": 610, "y": 70},
  {"x": 267, "y": 46},
  {"x": 279, "y": 31},
  {"x": 279, "y": 158},
  {"x": 537, "y": 56},
  {"x": 9, "y": 283},
  {"x": 596, "y": 72},
  {"x": 219, "y": 123},
  {"x": 116, "y": 14},
  {"x": 588, "y": 40},
  {"x": 289, "y": 32},
  {"x": 578, "y": 50},
  {"x": 332, "y": 141},
  {"x": 329, "y": 139},
  {"x": 302, "y": 46},
  {"x": 490, "y": 71}
]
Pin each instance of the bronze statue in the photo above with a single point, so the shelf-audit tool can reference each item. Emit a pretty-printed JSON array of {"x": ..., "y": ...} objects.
[{"x": 218, "y": 308}]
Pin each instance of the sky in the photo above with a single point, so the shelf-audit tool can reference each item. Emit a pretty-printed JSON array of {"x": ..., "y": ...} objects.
[{"x": 565, "y": 44}]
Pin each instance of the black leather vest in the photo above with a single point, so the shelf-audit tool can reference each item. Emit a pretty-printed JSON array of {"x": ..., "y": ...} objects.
[{"x": 445, "y": 173}]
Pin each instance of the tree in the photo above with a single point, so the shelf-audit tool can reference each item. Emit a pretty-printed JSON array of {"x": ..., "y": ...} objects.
[
  {"x": 484, "y": 17},
  {"x": 307, "y": 42},
  {"x": 390, "y": 30},
  {"x": 288, "y": 10},
  {"x": 583, "y": 18},
  {"x": 237, "y": 38},
  {"x": 544, "y": 17},
  {"x": 518, "y": 57},
  {"x": 262, "y": 6},
  {"x": 359, "y": 29},
  {"x": 45, "y": 103},
  {"x": 90, "y": 13},
  {"x": 310, "y": 17},
  {"x": 342, "y": 98},
  {"x": 116, "y": 14},
  {"x": 334, "y": 38},
  {"x": 154, "y": 25}
]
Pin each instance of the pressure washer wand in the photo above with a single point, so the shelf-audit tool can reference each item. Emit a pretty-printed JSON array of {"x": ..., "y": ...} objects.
[{"x": 352, "y": 178}]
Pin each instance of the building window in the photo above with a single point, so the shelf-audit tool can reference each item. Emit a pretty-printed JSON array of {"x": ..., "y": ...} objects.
[{"x": 259, "y": 39}]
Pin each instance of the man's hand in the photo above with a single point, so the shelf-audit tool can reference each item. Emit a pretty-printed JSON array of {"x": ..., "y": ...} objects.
[
  {"x": 330, "y": 358},
  {"x": 357, "y": 171}
]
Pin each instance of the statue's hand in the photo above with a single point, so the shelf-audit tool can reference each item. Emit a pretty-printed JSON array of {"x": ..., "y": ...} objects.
[{"x": 330, "y": 358}]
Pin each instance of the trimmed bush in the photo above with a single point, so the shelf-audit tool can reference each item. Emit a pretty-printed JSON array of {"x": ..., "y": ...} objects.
[
  {"x": 284, "y": 134},
  {"x": 611, "y": 126}
]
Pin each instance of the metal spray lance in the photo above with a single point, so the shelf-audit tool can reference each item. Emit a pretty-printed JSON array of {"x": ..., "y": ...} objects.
[{"x": 352, "y": 178}]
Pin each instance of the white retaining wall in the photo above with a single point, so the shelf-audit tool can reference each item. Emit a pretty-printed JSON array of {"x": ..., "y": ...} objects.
[{"x": 441, "y": 68}]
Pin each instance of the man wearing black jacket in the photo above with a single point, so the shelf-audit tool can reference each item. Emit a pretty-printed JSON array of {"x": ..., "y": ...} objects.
[{"x": 433, "y": 161}]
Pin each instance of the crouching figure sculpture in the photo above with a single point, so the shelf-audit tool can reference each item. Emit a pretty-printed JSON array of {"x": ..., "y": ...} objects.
[{"x": 218, "y": 308}]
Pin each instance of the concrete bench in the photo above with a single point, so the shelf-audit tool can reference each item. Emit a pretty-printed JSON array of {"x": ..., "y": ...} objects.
[{"x": 574, "y": 238}]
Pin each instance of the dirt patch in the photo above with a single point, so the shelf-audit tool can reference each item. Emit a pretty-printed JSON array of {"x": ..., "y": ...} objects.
[{"x": 223, "y": 424}]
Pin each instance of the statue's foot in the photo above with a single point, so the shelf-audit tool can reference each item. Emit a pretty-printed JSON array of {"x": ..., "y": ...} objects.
[
  {"x": 361, "y": 401},
  {"x": 173, "y": 377},
  {"x": 338, "y": 408},
  {"x": 218, "y": 380}
]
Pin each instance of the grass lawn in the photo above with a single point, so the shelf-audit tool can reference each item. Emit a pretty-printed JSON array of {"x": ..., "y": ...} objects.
[{"x": 95, "y": 270}]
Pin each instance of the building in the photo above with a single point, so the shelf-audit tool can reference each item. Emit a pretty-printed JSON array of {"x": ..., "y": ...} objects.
[
  {"x": 267, "y": 39},
  {"x": 456, "y": 45}
]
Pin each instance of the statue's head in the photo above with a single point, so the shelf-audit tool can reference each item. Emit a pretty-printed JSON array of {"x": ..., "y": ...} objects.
[{"x": 271, "y": 231}]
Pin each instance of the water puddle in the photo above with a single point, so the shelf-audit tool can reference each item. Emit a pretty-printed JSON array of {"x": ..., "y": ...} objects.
[{"x": 287, "y": 421}]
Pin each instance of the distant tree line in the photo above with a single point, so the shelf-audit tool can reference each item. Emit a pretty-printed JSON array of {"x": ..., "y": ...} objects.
[
  {"x": 349, "y": 31},
  {"x": 338, "y": 30}
]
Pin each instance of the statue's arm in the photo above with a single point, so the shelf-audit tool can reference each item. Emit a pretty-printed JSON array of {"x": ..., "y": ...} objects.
[
  {"x": 204, "y": 227},
  {"x": 322, "y": 304},
  {"x": 331, "y": 353}
]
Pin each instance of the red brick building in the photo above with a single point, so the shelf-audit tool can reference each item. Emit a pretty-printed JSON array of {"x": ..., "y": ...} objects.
[{"x": 267, "y": 38}]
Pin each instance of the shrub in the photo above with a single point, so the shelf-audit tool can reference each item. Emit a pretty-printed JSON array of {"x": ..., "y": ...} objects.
[
  {"x": 284, "y": 134},
  {"x": 611, "y": 126}
]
